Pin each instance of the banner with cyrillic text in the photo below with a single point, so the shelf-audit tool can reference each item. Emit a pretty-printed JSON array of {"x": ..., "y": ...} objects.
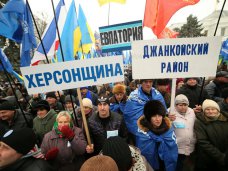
[
  {"x": 118, "y": 37},
  {"x": 175, "y": 58},
  {"x": 73, "y": 74}
]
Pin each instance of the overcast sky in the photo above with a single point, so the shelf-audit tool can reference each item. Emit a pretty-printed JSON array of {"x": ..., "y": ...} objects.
[{"x": 133, "y": 10}]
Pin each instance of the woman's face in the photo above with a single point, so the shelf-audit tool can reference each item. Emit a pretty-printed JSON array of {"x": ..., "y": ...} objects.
[
  {"x": 156, "y": 120},
  {"x": 87, "y": 110},
  {"x": 119, "y": 96},
  {"x": 41, "y": 112},
  {"x": 211, "y": 112},
  {"x": 63, "y": 120},
  {"x": 182, "y": 108}
]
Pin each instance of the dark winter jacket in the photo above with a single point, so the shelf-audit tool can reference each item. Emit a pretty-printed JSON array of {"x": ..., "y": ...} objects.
[
  {"x": 99, "y": 126},
  {"x": 212, "y": 143},
  {"x": 223, "y": 106},
  {"x": 28, "y": 164},
  {"x": 193, "y": 94},
  {"x": 18, "y": 121}
]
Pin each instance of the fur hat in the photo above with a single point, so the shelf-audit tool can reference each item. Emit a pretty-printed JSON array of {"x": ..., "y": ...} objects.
[
  {"x": 51, "y": 94},
  {"x": 181, "y": 98},
  {"x": 225, "y": 93},
  {"x": 222, "y": 74},
  {"x": 195, "y": 78},
  {"x": 21, "y": 140},
  {"x": 99, "y": 163},
  {"x": 118, "y": 149},
  {"x": 153, "y": 107},
  {"x": 119, "y": 88},
  {"x": 87, "y": 102},
  {"x": 68, "y": 99},
  {"x": 42, "y": 104},
  {"x": 7, "y": 105},
  {"x": 210, "y": 103}
]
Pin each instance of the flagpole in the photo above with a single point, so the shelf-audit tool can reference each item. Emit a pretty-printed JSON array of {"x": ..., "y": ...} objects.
[
  {"x": 41, "y": 42},
  {"x": 216, "y": 28},
  {"x": 108, "y": 12},
  {"x": 22, "y": 111}
]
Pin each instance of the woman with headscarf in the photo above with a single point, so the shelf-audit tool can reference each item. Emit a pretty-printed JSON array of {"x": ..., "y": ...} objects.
[{"x": 65, "y": 145}]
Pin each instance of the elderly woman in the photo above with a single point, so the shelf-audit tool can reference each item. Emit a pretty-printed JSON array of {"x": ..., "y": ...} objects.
[
  {"x": 211, "y": 128},
  {"x": 65, "y": 145}
]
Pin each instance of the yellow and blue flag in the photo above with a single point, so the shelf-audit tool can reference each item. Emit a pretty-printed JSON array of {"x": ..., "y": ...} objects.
[{"x": 103, "y": 2}]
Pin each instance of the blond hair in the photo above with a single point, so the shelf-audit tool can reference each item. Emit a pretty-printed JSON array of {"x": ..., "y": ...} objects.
[{"x": 63, "y": 113}]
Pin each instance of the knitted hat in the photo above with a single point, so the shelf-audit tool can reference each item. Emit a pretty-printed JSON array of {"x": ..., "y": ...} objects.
[
  {"x": 118, "y": 149},
  {"x": 195, "y": 78},
  {"x": 87, "y": 102},
  {"x": 22, "y": 140},
  {"x": 162, "y": 81},
  {"x": 210, "y": 103},
  {"x": 51, "y": 94},
  {"x": 7, "y": 105},
  {"x": 103, "y": 98},
  {"x": 222, "y": 74},
  {"x": 68, "y": 99},
  {"x": 179, "y": 80},
  {"x": 181, "y": 98},
  {"x": 42, "y": 104},
  {"x": 119, "y": 88},
  {"x": 153, "y": 107},
  {"x": 225, "y": 93},
  {"x": 99, "y": 163},
  {"x": 142, "y": 80}
]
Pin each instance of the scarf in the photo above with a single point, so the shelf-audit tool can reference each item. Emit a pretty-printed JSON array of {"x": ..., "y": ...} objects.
[{"x": 58, "y": 132}]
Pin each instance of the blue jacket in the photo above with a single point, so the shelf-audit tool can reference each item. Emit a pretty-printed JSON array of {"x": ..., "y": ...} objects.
[
  {"x": 153, "y": 145},
  {"x": 135, "y": 104}
]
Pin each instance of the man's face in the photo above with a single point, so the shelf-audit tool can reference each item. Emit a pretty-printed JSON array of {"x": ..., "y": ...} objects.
[
  {"x": 69, "y": 106},
  {"x": 103, "y": 109},
  {"x": 162, "y": 88},
  {"x": 191, "y": 82},
  {"x": 51, "y": 101},
  {"x": 7, "y": 155},
  {"x": 147, "y": 85},
  {"x": 84, "y": 91},
  {"x": 6, "y": 115}
]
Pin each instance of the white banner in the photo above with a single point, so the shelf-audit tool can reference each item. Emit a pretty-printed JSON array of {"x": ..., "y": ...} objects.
[
  {"x": 175, "y": 58},
  {"x": 73, "y": 74}
]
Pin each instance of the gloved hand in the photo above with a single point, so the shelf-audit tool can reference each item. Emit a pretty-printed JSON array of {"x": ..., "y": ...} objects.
[
  {"x": 52, "y": 153},
  {"x": 67, "y": 132}
]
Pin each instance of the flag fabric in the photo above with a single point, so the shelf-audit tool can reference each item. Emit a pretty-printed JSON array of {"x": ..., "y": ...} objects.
[
  {"x": 86, "y": 34},
  {"x": 103, "y": 2},
  {"x": 49, "y": 37},
  {"x": 158, "y": 12},
  {"x": 5, "y": 62},
  {"x": 16, "y": 24},
  {"x": 224, "y": 53},
  {"x": 69, "y": 37},
  {"x": 168, "y": 33}
]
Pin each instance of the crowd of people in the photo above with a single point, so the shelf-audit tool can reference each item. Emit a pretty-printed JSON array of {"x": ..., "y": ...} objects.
[{"x": 131, "y": 125}]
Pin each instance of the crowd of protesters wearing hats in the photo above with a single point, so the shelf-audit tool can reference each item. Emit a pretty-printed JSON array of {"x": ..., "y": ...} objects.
[{"x": 132, "y": 127}]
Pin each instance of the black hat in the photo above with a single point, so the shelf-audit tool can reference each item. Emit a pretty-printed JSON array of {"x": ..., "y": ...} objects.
[
  {"x": 195, "y": 78},
  {"x": 142, "y": 80},
  {"x": 103, "y": 98},
  {"x": 162, "y": 81},
  {"x": 153, "y": 107},
  {"x": 42, "y": 104},
  {"x": 225, "y": 93},
  {"x": 68, "y": 99},
  {"x": 7, "y": 105},
  {"x": 51, "y": 94},
  {"x": 222, "y": 74},
  {"x": 22, "y": 140},
  {"x": 118, "y": 149}
]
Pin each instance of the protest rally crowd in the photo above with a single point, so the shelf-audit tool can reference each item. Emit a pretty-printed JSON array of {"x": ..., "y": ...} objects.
[{"x": 130, "y": 123}]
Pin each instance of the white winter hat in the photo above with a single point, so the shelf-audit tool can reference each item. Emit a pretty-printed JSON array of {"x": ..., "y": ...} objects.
[
  {"x": 87, "y": 102},
  {"x": 181, "y": 99},
  {"x": 210, "y": 103}
]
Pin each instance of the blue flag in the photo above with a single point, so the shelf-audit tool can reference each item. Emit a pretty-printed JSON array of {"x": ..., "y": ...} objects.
[
  {"x": 16, "y": 24},
  {"x": 5, "y": 62},
  {"x": 224, "y": 50}
]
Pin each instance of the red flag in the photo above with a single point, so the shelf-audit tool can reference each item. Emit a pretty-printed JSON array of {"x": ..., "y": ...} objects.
[
  {"x": 158, "y": 12},
  {"x": 168, "y": 33}
]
